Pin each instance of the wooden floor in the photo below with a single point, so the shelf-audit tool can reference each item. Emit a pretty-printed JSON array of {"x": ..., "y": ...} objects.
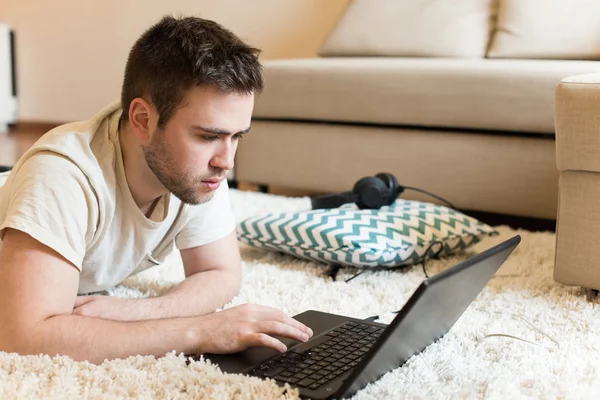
[{"x": 17, "y": 140}]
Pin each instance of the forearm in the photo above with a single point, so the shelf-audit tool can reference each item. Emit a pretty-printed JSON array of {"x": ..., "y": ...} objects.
[
  {"x": 199, "y": 294},
  {"x": 94, "y": 339}
]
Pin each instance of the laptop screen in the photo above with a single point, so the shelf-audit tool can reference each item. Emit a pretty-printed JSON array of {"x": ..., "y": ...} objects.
[{"x": 429, "y": 314}]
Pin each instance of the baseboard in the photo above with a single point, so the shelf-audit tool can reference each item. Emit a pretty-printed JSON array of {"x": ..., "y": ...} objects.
[
  {"x": 514, "y": 221},
  {"x": 33, "y": 126}
]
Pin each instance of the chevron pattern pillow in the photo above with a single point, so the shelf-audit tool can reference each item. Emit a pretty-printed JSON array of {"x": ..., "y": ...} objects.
[{"x": 395, "y": 235}]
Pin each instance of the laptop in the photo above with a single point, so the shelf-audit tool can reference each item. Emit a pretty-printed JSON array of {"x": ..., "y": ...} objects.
[{"x": 345, "y": 354}]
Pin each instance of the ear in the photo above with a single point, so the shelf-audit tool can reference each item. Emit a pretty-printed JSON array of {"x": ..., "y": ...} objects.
[{"x": 142, "y": 119}]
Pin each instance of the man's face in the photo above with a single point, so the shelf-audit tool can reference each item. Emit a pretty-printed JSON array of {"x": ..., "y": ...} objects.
[{"x": 192, "y": 154}]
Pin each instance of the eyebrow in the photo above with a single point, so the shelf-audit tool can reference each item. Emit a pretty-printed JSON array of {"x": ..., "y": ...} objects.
[{"x": 218, "y": 131}]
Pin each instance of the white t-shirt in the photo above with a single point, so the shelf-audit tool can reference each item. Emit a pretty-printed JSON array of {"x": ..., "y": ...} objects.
[{"x": 69, "y": 192}]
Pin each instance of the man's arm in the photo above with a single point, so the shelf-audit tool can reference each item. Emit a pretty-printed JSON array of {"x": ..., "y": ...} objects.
[
  {"x": 38, "y": 289},
  {"x": 213, "y": 276}
]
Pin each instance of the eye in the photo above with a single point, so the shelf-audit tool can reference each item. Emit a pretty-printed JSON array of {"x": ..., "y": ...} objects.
[
  {"x": 239, "y": 136},
  {"x": 210, "y": 138}
]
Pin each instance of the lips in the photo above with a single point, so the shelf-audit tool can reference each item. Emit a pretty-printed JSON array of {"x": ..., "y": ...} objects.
[
  {"x": 213, "y": 180},
  {"x": 212, "y": 184}
]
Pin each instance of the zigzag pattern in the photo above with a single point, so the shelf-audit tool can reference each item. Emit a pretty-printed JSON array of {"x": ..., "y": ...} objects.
[{"x": 392, "y": 236}]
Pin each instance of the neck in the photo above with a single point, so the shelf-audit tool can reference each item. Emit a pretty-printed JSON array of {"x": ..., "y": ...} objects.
[{"x": 143, "y": 185}]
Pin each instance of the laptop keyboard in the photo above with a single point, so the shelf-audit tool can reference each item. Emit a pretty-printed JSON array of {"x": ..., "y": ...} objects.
[{"x": 342, "y": 351}]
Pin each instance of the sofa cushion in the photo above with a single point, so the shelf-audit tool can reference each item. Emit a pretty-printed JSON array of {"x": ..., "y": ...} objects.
[
  {"x": 414, "y": 28},
  {"x": 395, "y": 235},
  {"x": 515, "y": 95},
  {"x": 562, "y": 29}
]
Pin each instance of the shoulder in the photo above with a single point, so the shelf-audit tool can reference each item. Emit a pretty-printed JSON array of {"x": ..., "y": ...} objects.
[
  {"x": 46, "y": 165},
  {"x": 44, "y": 174}
]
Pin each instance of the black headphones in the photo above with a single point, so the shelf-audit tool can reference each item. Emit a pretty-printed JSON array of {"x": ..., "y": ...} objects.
[{"x": 371, "y": 192}]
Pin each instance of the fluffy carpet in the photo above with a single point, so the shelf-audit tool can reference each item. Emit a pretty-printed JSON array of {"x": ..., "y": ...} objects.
[{"x": 564, "y": 362}]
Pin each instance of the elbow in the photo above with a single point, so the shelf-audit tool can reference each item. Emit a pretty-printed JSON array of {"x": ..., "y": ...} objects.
[
  {"x": 9, "y": 345},
  {"x": 27, "y": 338},
  {"x": 16, "y": 339}
]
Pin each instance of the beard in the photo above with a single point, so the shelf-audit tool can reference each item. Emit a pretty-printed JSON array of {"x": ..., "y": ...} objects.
[{"x": 176, "y": 179}]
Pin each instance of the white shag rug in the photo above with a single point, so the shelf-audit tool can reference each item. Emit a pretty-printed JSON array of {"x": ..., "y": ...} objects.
[{"x": 465, "y": 364}]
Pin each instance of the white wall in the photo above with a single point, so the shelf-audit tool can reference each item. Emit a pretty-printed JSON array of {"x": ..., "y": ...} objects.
[{"x": 71, "y": 53}]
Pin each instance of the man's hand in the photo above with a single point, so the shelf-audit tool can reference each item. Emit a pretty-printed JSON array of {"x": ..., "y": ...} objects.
[
  {"x": 248, "y": 325},
  {"x": 108, "y": 307},
  {"x": 228, "y": 331}
]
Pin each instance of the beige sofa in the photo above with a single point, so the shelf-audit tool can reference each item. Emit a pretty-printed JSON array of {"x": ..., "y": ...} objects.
[
  {"x": 578, "y": 159},
  {"x": 453, "y": 97}
]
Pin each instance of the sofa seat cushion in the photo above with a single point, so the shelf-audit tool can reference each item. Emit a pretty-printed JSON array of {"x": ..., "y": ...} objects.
[{"x": 494, "y": 94}]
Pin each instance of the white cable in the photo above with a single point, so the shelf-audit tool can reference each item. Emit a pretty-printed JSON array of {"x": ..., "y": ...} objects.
[
  {"x": 516, "y": 337},
  {"x": 519, "y": 338}
]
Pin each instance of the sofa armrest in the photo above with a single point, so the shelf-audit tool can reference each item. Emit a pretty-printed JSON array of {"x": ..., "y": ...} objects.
[{"x": 577, "y": 122}]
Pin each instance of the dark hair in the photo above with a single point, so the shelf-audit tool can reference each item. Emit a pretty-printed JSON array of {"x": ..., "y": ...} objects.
[{"x": 177, "y": 54}]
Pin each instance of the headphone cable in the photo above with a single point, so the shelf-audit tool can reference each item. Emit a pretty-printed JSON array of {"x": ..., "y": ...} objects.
[{"x": 430, "y": 194}]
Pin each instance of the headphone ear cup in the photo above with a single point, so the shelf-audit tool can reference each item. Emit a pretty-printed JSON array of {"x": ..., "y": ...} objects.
[
  {"x": 370, "y": 192},
  {"x": 391, "y": 183}
]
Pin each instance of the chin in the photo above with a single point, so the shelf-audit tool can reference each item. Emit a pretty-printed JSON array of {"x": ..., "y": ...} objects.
[
  {"x": 194, "y": 197},
  {"x": 201, "y": 198}
]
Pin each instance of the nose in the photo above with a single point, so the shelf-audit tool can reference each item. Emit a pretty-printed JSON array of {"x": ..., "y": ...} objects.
[{"x": 224, "y": 157}]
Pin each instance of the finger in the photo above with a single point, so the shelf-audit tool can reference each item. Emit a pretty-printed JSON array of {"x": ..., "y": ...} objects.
[
  {"x": 78, "y": 310},
  {"x": 281, "y": 329},
  {"x": 80, "y": 300},
  {"x": 278, "y": 315},
  {"x": 260, "y": 339}
]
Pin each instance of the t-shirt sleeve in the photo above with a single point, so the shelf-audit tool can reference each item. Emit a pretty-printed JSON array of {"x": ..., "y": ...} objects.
[
  {"x": 49, "y": 198},
  {"x": 208, "y": 222}
]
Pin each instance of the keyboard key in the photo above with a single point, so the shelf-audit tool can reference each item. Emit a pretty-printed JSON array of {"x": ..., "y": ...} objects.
[
  {"x": 314, "y": 386},
  {"x": 273, "y": 371},
  {"x": 305, "y": 382}
]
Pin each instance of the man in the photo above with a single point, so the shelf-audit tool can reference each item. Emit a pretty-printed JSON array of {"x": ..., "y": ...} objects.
[{"x": 94, "y": 202}]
